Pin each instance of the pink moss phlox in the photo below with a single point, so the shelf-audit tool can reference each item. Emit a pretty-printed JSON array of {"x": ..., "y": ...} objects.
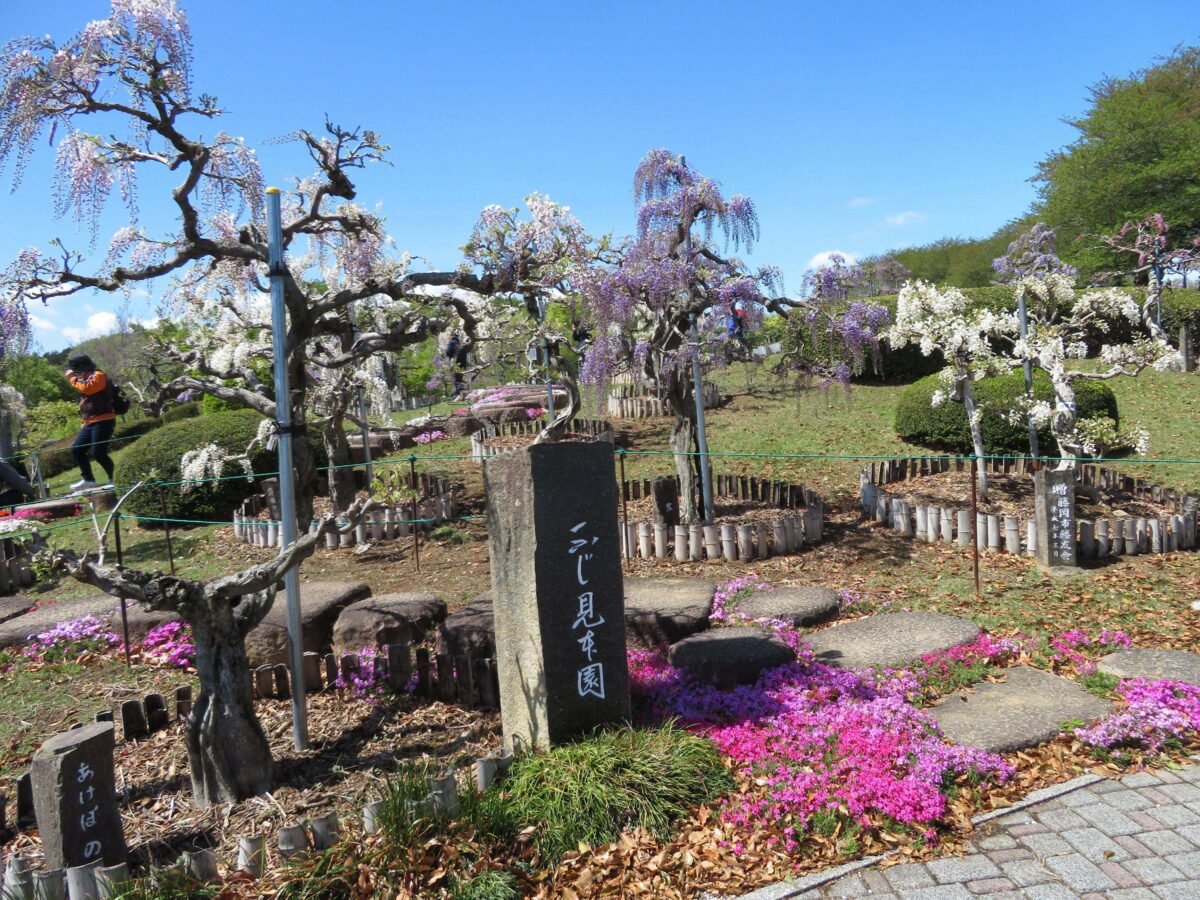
[
  {"x": 821, "y": 739},
  {"x": 363, "y": 683},
  {"x": 535, "y": 412},
  {"x": 170, "y": 644},
  {"x": 428, "y": 437},
  {"x": 1076, "y": 648},
  {"x": 731, "y": 592},
  {"x": 1156, "y": 713},
  {"x": 69, "y": 639}
]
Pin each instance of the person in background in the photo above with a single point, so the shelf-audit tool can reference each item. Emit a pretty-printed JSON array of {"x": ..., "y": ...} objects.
[
  {"x": 458, "y": 356},
  {"x": 99, "y": 419}
]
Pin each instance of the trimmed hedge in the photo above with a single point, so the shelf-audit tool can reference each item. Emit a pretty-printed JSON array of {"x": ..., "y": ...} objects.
[
  {"x": 156, "y": 457},
  {"x": 944, "y": 427},
  {"x": 181, "y": 411}
]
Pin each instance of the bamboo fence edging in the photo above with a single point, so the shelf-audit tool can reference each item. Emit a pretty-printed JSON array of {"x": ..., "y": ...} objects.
[{"x": 1095, "y": 538}]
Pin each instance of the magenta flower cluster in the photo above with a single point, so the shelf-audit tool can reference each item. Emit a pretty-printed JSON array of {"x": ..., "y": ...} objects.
[
  {"x": 731, "y": 592},
  {"x": 428, "y": 437},
  {"x": 1076, "y": 648},
  {"x": 67, "y": 640},
  {"x": 171, "y": 645},
  {"x": 535, "y": 412},
  {"x": 820, "y": 741},
  {"x": 362, "y": 682},
  {"x": 1157, "y": 713}
]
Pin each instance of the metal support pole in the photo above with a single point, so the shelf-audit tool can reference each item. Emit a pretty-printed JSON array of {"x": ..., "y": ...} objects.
[
  {"x": 624, "y": 503},
  {"x": 412, "y": 477},
  {"x": 975, "y": 521},
  {"x": 287, "y": 487},
  {"x": 1024, "y": 317},
  {"x": 162, "y": 511},
  {"x": 124, "y": 605}
]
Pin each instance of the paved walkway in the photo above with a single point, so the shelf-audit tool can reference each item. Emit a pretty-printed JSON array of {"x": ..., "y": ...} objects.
[{"x": 1127, "y": 840}]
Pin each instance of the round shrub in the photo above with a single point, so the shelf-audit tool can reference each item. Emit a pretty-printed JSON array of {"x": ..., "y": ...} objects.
[
  {"x": 944, "y": 427},
  {"x": 156, "y": 457}
]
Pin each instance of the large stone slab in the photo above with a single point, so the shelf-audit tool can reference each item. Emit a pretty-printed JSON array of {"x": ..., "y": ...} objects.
[
  {"x": 889, "y": 640},
  {"x": 727, "y": 657},
  {"x": 387, "y": 619},
  {"x": 557, "y": 581},
  {"x": 1169, "y": 665},
  {"x": 662, "y": 611},
  {"x": 17, "y": 631},
  {"x": 1028, "y": 708},
  {"x": 74, "y": 798},
  {"x": 11, "y": 607},
  {"x": 321, "y": 602},
  {"x": 470, "y": 631},
  {"x": 802, "y": 606}
]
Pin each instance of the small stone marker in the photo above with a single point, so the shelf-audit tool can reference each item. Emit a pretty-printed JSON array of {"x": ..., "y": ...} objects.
[
  {"x": 557, "y": 583},
  {"x": 74, "y": 796},
  {"x": 666, "y": 502},
  {"x": 25, "y": 815},
  {"x": 1054, "y": 499}
]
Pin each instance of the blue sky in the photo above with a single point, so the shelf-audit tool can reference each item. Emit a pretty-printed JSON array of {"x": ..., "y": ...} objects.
[{"x": 854, "y": 126}]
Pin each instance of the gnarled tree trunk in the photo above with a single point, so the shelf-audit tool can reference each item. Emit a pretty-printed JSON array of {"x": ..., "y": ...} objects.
[
  {"x": 686, "y": 447},
  {"x": 975, "y": 425},
  {"x": 228, "y": 752}
]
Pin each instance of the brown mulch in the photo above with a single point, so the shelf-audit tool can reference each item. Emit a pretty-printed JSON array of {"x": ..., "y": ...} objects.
[
  {"x": 1012, "y": 494},
  {"x": 355, "y": 744}
]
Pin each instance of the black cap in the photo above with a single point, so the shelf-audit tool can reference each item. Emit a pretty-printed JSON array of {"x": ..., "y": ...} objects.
[{"x": 81, "y": 362}]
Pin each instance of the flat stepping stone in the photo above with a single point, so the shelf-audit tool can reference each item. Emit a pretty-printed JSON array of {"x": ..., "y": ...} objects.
[
  {"x": 321, "y": 602},
  {"x": 11, "y": 607},
  {"x": 387, "y": 619},
  {"x": 16, "y": 632},
  {"x": 726, "y": 657},
  {"x": 471, "y": 631},
  {"x": 889, "y": 640},
  {"x": 662, "y": 611},
  {"x": 1027, "y": 709},
  {"x": 1169, "y": 665},
  {"x": 802, "y": 606}
]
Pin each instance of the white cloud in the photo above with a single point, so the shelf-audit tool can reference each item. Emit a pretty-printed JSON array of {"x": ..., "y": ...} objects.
[
  {"x": 151, "y": 322},
  {"x": 42, "y": 324},
  {"x": 98, "y": 325},
  {"x": 855, "y": 202},
  {"x": 822, "y": 259},
  {"x": 908, "y": 217}
]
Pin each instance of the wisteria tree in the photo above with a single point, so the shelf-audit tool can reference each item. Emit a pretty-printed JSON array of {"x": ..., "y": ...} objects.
[
  {"x": 1155, "y": 253},
  {"x": 674, "y": 275},
  {"x": 129, "y": 78},
  {"x": 944, "y": 320},
  {"x": 516, "y": 266}
]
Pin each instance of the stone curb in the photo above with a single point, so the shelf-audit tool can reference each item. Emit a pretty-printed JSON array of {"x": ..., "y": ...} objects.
[{"x": 783, "y": 889}]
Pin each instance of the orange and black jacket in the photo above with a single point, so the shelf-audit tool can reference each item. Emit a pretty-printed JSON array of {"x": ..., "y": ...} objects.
[{"x": 96, "y": 404}]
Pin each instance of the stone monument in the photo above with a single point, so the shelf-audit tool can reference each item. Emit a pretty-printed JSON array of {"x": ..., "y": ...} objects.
[
  {"x": 666, "y": 501},
  {"x": 75, "y": 798},
  {"x": 558, "y": 591},
  {"x": 1054, "y": 502}
]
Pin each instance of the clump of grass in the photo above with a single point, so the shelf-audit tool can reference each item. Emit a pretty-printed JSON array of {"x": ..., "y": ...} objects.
[
  {"x": 1101, "y": 684},
  {"x": 166, "y": 884},
  {"x": 448, "y": 534},
  {"x": 491, "y": 884},
  {"x": 592, "y": 790}
]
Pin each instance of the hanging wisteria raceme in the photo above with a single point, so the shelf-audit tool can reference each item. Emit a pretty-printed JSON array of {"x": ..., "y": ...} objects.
[{"x": 14, "y": 328}]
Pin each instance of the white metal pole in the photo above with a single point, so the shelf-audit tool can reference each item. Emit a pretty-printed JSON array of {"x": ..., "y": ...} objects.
[{"x": 287, "y": 487}]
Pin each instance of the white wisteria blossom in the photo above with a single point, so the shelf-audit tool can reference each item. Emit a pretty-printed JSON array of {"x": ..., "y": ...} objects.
[{"x": 945, "y": 320}]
